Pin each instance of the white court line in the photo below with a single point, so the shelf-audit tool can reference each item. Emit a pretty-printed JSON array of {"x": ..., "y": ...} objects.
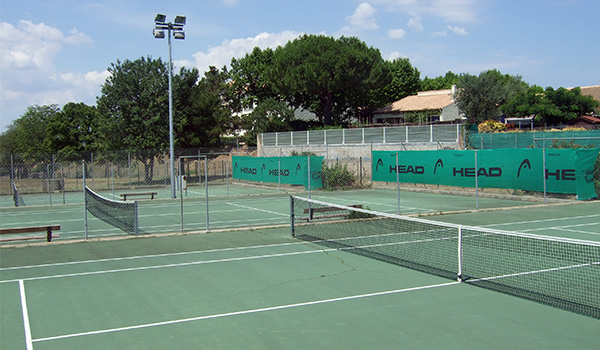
[
  {"x": 543, "y": 220},
  {"x": 256, "y": 209},
  {"x": 156, "y": 255},
  {"x": 246, "y": 312},
  {"x": 26, "y": 324}
]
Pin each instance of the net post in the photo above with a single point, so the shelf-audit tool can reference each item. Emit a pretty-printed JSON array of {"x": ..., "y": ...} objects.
[
  {"x": 460, "y": 255},
  {"x": 293, "y": 231},
  {"x": 180, "y": 191},
  {"x": 206, "y": 188},
  {"x": 135, "y": 222},
  {"x": 85, "y": 201},
  {"x": 476, "y": 183}
]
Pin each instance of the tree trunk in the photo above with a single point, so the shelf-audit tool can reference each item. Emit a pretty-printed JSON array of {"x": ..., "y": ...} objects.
[
  {"x": 148, "y": 171},
  {"x": 328, "y": 103}
]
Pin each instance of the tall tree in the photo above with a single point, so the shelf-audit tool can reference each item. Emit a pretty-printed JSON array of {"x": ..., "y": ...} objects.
[
  {"x": 550, "y": 107},
  {"x": 134, "y": 103},
  {"x": 270, "y": 115},
  {"x": 73, "y": 130},
  {"x": 480, "y": 97},
  {"x": 333, "y": 74},
  {"x": 208, "y": 113},
  {"x": 249, "y": 78},
  {"x": 30, "y": 130},
  {"x": 405, "y": 80},
  {"x": 439, "y": 83}
]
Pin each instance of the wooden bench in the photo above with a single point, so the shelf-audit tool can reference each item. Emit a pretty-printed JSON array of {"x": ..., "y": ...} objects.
[
  {"x": 34, "y": 229},
  {"x": 151, "y": 194},
  {"x": 312, "y": 211}
]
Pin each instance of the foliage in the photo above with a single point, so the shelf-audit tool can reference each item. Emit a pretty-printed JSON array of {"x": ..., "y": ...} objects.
[
  {"x": 404, "y": 81},
  {"x": 337, "y": 177},
  {"x": 550, "y": 106},
  {"x": 439, "y": 83},
  {"x": 73, "y": 131},
  {"x": 480, "y": 97},
  {"x": 249, "y": 78},
  {"x": 327, "y": 76},
  {"x": 491, "y": 126},
  {"x": 206, "y": 115},
  {"x": 29, "y": 132},
  {"x": 134, "y": 106},
  {"x": 269, "y": 116}
]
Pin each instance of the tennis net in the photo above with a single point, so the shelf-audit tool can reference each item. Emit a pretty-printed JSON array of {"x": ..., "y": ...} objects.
[
  {"x": 123, "y": 215},
  {"x": 560, "y": 272}
]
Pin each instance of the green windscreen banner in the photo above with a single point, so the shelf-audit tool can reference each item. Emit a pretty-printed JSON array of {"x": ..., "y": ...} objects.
[
  {"x": 284, "y": 170},
  {"x": 568, "y": 171}
]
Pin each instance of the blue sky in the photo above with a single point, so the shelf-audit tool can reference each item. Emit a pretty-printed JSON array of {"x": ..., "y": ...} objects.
[{"x": 57, "y": 51}]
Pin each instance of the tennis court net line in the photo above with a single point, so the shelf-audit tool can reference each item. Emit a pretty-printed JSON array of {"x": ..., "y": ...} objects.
[
  {"x": 555, "y": 271},
  {"x": 123, "y": 215}
]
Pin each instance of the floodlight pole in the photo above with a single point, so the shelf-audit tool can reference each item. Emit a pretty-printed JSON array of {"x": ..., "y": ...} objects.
[
  {"x": 160, "y": 25},
  {"x": 171, "y": 140}
]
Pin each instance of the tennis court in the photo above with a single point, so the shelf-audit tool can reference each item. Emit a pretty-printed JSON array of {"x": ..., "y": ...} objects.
[
  {"x": 261, "y": 288},
  {"x": 227, "y": 207}
]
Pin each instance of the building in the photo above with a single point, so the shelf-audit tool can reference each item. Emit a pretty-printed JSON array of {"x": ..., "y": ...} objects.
[
  {"x": 585, "y": 121},
  {"x": 425, "y": 107}
]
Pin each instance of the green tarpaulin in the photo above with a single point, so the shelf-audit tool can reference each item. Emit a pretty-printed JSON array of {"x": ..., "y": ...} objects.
[
  {"x": 284, "y": 170},
  {"x": 568, "y": 171}
]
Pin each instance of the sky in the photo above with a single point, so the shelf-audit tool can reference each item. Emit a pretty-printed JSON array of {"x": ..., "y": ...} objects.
[{"x": 58, "y": 51}]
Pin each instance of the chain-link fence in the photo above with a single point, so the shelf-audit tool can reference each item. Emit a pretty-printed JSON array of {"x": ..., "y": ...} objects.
[
  {"x": 241, "y": 188},
  {"x": 534, "y": 139}
]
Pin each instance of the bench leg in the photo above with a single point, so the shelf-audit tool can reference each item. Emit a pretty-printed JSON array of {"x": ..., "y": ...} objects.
[{"x": 49, "y": 234}]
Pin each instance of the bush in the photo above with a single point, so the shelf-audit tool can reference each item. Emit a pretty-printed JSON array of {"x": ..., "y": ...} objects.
[
  {"x": 491, "y": 126},
  {"x": 337, "y": 177}
]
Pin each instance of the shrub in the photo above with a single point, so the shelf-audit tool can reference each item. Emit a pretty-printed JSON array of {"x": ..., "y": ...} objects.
[
  {"x": 491, "y": 126},
  {"x": 337, "y": 177}
]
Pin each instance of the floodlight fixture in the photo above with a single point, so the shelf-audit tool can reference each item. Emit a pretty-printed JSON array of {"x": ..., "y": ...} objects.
[
  {"x": 179, "y": 35},
  {"x": 180, "y": 20},
  {"x": 160, "y": 18},
  {"x": 159, "y": 34}
]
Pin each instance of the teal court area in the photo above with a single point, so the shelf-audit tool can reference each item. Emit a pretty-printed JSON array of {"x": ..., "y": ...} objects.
[{"x": 243, "y": 287}]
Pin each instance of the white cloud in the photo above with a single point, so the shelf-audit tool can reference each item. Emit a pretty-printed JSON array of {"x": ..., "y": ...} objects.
[
  {"x": 458, "y": 30},
  {"x": 396, "y": 33},
  {"x": 28, "y": 52},
  {"x": 394, "y": 55},
  {"x": 230, "y": 2},
  {"x": 221, "y": 55},
  {"x": 415, "y": 23},
  {"x": 363, "y": 17}
]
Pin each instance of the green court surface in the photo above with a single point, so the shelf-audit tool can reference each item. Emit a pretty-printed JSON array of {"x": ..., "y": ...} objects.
[
  {"x": 230, "y": 207},
  {"x": 261, "y": 289}
]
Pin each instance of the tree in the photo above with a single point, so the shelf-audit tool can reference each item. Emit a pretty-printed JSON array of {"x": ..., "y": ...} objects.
[
  {"x": 249, "y": 77},
  {"x": 439, "y": 83},
  {"x": 134, "y": 106},
  {"x": 334, "y": 75},
  {"x": 269, "y": 115},
  {"x": 405, "y": 80},
  {"x": 30, "y": 130},
  {"x": 207, "y": 115},
  {"x": 550, "y": 107},
  {"x": 73, "y": 130},
  {"x": 480, "y": 97}
]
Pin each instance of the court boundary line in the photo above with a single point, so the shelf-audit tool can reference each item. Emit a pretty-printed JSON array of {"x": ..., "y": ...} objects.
[
  {"x": 250, "y": 311},
  {"x": 25, "y": 312},
  {"x": 149, "y": 256}
]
